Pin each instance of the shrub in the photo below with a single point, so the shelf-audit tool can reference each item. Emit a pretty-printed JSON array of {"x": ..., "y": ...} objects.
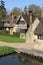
[
  {"x": 16, "y": 34},
  {"x": 7, "y": 32}
]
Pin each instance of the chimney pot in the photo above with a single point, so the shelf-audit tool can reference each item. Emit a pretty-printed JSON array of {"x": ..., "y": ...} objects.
[{"x": 30, "y": 14}]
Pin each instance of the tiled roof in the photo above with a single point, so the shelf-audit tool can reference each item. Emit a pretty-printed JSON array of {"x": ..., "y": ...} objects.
[
  {"x": 8, "y": 18},
  {"x": 26, "y": 18}
]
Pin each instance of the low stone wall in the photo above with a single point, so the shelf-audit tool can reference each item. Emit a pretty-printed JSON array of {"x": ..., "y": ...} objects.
[{"x": 22, "y": 35}]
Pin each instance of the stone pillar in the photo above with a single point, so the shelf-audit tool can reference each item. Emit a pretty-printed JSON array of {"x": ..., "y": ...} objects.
[{"x": 11, "y": 31}]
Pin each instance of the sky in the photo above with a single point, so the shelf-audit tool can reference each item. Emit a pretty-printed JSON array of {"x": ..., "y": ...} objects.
[{"x": 10, "y": 4}]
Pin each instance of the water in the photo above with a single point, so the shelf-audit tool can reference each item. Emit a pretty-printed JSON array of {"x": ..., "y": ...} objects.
[{"x": 19, "y": 59}]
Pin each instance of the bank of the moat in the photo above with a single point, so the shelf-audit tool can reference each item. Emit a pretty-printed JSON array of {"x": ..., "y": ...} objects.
[
  {"x": 4, "y": 50},
  {"x": 26, "y": 48},
  {"x": 31, "y": 52}
]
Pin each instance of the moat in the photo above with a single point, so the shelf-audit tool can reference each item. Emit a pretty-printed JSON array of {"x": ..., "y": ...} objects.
[{"x": 19, "y": 59}]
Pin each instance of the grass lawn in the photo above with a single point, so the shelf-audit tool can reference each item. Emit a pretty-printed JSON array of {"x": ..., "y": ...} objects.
[
  {"x": 10, "y": 39},
  {"x": 6, "y": 50}
]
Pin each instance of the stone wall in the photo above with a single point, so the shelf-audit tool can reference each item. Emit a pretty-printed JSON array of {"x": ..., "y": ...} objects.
[{"x": 22, "y": 35}]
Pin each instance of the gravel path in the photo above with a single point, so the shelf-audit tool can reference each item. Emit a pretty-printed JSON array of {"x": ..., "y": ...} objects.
[
  {"x": 17, "y": 45},
  {"x": 23, "y": 45}
]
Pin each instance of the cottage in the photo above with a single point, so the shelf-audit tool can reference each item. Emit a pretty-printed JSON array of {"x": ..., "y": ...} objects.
[{"x": 29, "y": 25}]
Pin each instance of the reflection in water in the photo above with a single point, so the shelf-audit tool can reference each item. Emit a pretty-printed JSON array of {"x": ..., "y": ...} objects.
[
  {"x": 30, "y": 60},
  {"x": 19, "y": 59}
]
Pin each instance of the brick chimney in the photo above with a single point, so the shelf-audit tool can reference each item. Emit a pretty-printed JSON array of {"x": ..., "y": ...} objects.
[
  {"x": 42, "y": 13},
  {"x": 12, "y": 16},
  {"x": 30, "y": 15}
]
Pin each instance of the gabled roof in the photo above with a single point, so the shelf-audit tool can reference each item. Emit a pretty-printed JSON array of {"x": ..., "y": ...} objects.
[
  {"x": 39, "y": 29},
  {"x": 20, "y": 20},
  {"x": 26, "y": 18}
]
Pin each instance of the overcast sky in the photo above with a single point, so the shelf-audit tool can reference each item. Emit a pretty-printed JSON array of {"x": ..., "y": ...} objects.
[{"x": 10, "y": 4}]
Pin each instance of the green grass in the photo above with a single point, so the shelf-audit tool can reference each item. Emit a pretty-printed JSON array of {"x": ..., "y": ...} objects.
[
  {"x": 10, "y": 39},
  {"x": 6, "y": 50}
]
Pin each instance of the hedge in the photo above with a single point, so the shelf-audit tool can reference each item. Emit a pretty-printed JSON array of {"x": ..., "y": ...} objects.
[
  {"x": 4, "y": 32},
  {"x": 7, "y": 32},
  {"x": 16, "y": 34}
]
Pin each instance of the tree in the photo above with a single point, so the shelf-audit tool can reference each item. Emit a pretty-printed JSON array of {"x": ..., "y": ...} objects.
[
  {"x": 16, "y": 11},
  {"x": 2, "y": 3},
  {"x": 25, "y": 9},
  {"x": 36, "y": 9},
  {"x": 2, "y": 9}
]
